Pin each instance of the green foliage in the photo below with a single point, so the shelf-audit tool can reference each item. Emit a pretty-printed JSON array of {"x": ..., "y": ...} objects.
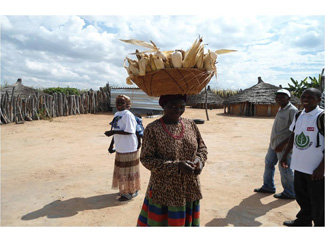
[
  {"x": 298, "y": 87},
  {"x": 65, "y": 90}
]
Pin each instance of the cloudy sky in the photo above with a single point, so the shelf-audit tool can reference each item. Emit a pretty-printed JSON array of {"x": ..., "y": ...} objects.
[{"x": 83, "y": 50}]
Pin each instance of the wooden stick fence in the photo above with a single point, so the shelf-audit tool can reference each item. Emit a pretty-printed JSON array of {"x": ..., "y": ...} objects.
[{"x": 14, "y": 108}]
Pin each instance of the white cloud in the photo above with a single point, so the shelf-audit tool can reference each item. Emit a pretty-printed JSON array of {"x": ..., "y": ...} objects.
[{"x": 85, "y": 51}]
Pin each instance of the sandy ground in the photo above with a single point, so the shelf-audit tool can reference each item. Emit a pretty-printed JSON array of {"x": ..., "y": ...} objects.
[{"x": 59, "y": 173}]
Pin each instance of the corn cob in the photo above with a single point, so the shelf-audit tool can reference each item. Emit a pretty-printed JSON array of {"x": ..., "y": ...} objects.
[
  {"x": 133, "y": 66},
  {"x": 177, "y": 59},
  {"x": 199, "y": 58},
  {"x": 161, "y": 55},
  {"x": 190, "y": 55},
  {"x": 168, "y": 62},
  {"x": 148, "y": 65},
  {"x": 152, "y": 63},
  {"x": 207, "y": 61},
  {"x": 210, "y": 61},
  {"x": 183, "y": 53},
  {"x": 158, "y": 62},
  {"x": 142, "y": 65}
]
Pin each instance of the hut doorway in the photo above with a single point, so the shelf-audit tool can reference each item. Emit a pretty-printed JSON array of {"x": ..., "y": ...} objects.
[{"x": 250, "y": 110}]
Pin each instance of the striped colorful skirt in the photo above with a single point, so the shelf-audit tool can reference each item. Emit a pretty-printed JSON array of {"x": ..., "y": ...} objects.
[
  {"x": 126, "y": 176},
  {"x": 157, "y": 215}
]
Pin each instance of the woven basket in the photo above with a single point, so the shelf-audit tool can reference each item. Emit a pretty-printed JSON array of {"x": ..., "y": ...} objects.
[{"x": 171, "y": 81}]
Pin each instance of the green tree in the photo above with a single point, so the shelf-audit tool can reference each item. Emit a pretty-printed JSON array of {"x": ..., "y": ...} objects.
[
  {"x": 65, "y": 90},
  {"x": 298, "y": 87}
]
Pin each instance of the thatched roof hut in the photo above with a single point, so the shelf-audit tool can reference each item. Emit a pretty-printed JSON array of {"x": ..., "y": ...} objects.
[
  {"x": 258, "y": 100},
  {"x": 20, "y": 89},
  {"x": 198, "y": 101}
]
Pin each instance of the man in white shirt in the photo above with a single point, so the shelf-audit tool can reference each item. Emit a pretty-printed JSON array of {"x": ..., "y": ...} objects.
[
  {"x": 279, "y": 138},
  {"x": 308, "y": 162}
]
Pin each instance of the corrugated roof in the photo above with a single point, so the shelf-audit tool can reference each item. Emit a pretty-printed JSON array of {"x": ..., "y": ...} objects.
[{"x": 139, "y": 99}]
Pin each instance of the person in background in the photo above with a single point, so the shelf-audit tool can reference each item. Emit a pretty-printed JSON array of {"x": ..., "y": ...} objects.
[
  {"x": 278, "y": 141},
  {"x": 126, "y": 175},
  {"x": 174, "y": 152},
  {"x": 307, "y": 161}
]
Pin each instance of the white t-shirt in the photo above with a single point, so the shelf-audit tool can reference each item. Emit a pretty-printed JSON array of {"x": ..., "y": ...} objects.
[
  {"x": 305, "y": 156},
  {"x": 127, "y": 123}
]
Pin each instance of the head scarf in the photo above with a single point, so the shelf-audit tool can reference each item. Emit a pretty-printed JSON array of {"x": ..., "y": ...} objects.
[
  {"x": 126, "y": 99},
  {"x": 164, "y": 99}
]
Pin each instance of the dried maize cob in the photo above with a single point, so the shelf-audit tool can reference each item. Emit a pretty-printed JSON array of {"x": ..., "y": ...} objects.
[
  {"x": 199, "y": 58},
  {"x": 183, "y": 53},
  {"x": 210, "y": 61},
  {"x": 158, "y": 62},
  {"x": 133, "y": 66},
  {"x": 143, "y": 62},
  {"x": 207, "y": 62},
  {"x": 177, "y": 59},
  {"x": 190, "y": 55},
  {"x": 152, "y": 63},
  {"x": 148, "y": 65},
  {"x": 161, "y": 55},
  {"x": 168, "y": 62}
]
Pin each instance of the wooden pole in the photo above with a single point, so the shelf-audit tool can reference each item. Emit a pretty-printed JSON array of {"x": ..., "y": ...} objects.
[{"x": 206, "y": 102}]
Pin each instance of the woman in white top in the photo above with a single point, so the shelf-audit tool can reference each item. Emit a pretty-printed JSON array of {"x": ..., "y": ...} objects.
[{"x": 126, "y": 176}]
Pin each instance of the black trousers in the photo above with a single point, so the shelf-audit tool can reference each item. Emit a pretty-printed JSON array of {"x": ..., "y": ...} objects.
[{"x": 310, "y": 197}]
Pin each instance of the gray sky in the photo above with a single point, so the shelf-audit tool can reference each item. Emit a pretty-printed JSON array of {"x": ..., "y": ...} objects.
[{"x": 84, "y": 51}]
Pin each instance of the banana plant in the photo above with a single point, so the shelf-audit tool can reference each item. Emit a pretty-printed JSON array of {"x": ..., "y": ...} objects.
[
  {"x": 314, "y": 82},
  {"x": 298, "y": 87}
]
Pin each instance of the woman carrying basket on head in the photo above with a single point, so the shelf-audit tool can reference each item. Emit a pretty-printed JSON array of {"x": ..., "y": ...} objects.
[
  {"x": 126, "y": 176},
  {"x": 174, "y": 151}
]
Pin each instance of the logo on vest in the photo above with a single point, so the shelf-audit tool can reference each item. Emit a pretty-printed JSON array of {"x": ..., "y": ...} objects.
[{"x": 302, "y": 141}]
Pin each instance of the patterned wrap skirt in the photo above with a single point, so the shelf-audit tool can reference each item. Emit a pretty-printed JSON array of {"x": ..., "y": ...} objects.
[
  {"x": 126, "y": 176},
  {"x": 157, "y": 215}
]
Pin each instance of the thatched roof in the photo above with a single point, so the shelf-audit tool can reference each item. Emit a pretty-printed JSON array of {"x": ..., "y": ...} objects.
[
  {"x": 199, "y": 99},
  {"x": 20, "y": 89},
  {"x": 261, "y": 93}
]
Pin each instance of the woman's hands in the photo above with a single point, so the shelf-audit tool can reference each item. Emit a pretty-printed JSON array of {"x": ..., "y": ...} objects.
[
  {"x": 198, "y": 166},
  {"x": 186, "y": 167},
  {"x": 191, "y": 167}
]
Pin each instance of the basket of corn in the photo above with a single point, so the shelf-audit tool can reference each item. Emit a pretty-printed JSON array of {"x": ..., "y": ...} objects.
[{"x": 171, "y": 72}]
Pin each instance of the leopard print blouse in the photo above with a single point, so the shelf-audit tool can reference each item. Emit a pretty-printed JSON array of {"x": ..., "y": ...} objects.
[{"x": 160, "y": 153}]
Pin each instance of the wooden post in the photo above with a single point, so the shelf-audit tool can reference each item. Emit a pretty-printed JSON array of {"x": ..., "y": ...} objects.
[
  {"x": 206, "y": 102},
  {"x": 94, "y": 101},
  {"x": 77, "y": 100},
  {"x": 269, "y": 110},
  {"x": 12, "y": 106},
  {"x": 53, "y": 100}
]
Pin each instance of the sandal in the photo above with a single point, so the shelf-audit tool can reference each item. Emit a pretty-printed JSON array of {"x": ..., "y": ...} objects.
[
  {"x": 128, "y": 196},
  {"x": 125, "y": 197},
  {"x": 134, "y": 194}
]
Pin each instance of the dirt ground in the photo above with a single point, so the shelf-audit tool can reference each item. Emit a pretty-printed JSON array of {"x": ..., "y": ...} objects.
[{"x": 59, "y": 173}]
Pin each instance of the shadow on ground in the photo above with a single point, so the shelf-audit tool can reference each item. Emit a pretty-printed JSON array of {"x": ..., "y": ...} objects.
[
  {"x": 247, "y": 211},
  {"x": 71, "y": 207}
]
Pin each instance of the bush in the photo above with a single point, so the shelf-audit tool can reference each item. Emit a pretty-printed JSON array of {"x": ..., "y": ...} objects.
[{"x": 65, "y": 90}]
